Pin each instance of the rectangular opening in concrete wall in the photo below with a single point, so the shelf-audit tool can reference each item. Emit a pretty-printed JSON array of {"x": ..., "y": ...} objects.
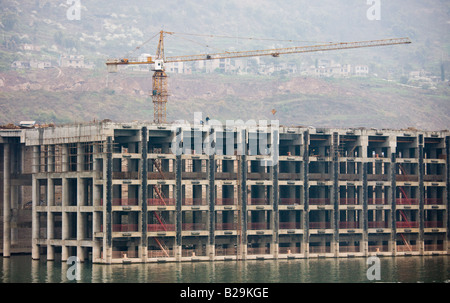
[
  {"x": 291, "y": 194},
  {"x": 434, "y": 242},
  {"x": 160, "y": 247},
  {"x": 350, "y": 243},
  {"x": 125, "y": 248},
  {"x": 259, "y": 195},
  {"x": 125, "y": 221},
  {"x": 378, "y": 147},
  {"x": 72, "y": 226},
  {"x": 42, "y": 192},
  {"x": 125, "y": 195},
  {"x": 290, "y": 244},
  {"x": 349, "y": 146},
  {"x": 161, "y": 221},
  {"x": 320, "y": 219},
  {"x": 350, "y": 171},
  {"x": 434, "y": 195},
  {"x": 57, "y": 192},
  {"x": 434, "y": 172},
  {"x": 407, "y": 195},
  {"x": 226, "y": 245},
  {"x": 159, "y": 168},
  {"x": 320, "y": 244},
  {"x": 226, "y": 169},
  {"x": 350, "y": 195},
  {"x": 407, "y": 147},
  {"x": 72, "y": 192},
  {"x": 407, "y": 172},
  {"x": 194, "y": 220},
  {"x": 42, "y": 218},
  {"x": 320, "y": 195},
  {"x": 194, "y": 246},
  {"x": 379, "y": 218},
  {"x": 99, "y": 166},
  {"x": 290, "y": 170},
  {"x": 98, "y": 195},
  {"x": 226, "y": 194},
  {"x": 125, "y": 169},
  {"x": 379, "y": 243},
  {"x": 256, "y": 171},
  {"x": 407, "y": 218},
  {"x": 434, "y": 148},
  {"x": 407, "y": 242},
  {"x": 320, "y": 145},
  {"x": 290, "y": 219},
  {"x": 320, "y": 171},
  {"x": 57, "y": 225},
  {"x": 291, "y": 144},
  {"x": 434, "y": 218},
  {"x": 350, "y": 219},
  {"x": 259, "y": 245},
  {"x": 259, "y": 220},
  {"x": 194, "y": 194},
  {"x": 161, "y": 195},
  {"x": 378, "y": 195},
  {"x": 226, "y": 220},
  {"x": 87, "y": 228}
]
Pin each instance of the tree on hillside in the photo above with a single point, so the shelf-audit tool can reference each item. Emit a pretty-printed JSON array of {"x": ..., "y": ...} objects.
[{"x": 9, "y": 21}]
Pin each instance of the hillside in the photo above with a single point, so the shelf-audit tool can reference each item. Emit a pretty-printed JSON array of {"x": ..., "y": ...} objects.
[
  {"x": 69, "y": 95},
  {"x": 113, "y": 28}
]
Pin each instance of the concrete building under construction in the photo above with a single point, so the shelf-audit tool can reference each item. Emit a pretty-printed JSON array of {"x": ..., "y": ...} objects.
[{"x": 116, "y": 192}]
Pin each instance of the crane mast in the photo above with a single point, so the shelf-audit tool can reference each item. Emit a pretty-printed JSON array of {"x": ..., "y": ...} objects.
[{"x": 160, "y": 93}]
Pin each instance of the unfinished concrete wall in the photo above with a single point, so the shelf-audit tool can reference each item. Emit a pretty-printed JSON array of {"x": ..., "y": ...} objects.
[{"x": 111, "y": 193}]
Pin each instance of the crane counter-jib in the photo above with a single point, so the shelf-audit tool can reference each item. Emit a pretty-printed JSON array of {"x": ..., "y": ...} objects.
[{"x": 290, "y": 50}]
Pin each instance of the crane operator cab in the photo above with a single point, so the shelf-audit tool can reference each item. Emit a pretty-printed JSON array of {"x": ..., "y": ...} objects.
[{"x": 159, "y": 65}]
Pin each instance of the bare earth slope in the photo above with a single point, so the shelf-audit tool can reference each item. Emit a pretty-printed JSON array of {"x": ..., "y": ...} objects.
[{"x": 69, "y": 95}]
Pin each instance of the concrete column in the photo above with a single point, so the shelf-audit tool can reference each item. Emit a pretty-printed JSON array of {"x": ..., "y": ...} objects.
[
  {"x": 447, "y": 190},
  {"x": 65, "y": 218},
  {"x": 178, "y": 198},
  {"x": 81, "y": 200},
  {"x": 107, "y": 227},
  {"x": 421, "y": 195},
  {"x": 364, "y": 143},
  {"x": 144, "y": 194},
  {"x": 392, "y": 178},
  {"x": 14, "y": 214},
  {"x": 6, "y": 200},
  {"x": 15, "y": 168},
  {"x": 242, "y": 179},
  {"x": 365, "y": 212},
  {"x": 212, "y": 202},
  {"x": 335, "y": 194},
  {"x": 275, "y": 199},
  {"x": 305, "y": 244},
  {"x": 96, "y": 222},
  {"x": 35, "y": 203},
  {"x": 65, "y": 158},
  {"x": 50, "y": 218}
]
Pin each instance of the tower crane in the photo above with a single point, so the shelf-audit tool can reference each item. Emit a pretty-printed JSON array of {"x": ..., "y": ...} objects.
[{"x": 159, "y": 84}]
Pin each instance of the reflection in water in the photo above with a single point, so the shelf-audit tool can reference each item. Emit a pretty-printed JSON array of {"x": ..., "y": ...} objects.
[{"x": 400, "y": 269}]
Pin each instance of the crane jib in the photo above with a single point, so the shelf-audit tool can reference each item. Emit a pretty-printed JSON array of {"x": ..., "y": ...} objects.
[{"x": 290, "y": 50}]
